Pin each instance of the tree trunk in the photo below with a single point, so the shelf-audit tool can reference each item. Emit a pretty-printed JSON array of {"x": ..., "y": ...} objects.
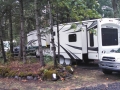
[
  {"x": 22, "y": 32},
  {"x": 20, "y": 45},
  {"x": 3, "y": 52},
  {"x": 2, "y": 45},
  {"x": 115, "y": 9},
  {"x": 11, "y": 33},
  {"x": 52, "y": 35},
  {"x": 58, "y": 36},
  {"x": 39, "y": 35}
]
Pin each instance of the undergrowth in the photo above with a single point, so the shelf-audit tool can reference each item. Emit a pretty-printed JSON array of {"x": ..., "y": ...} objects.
[{"x": 32, "y": 68}]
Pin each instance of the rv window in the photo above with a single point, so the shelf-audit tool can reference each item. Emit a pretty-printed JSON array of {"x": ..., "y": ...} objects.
[
  {"x": 53, "y": 33},
  {"x": 91, "y": 39},
  {"x": 72, "y": 37},
  {"x": 109, "y": 36}
]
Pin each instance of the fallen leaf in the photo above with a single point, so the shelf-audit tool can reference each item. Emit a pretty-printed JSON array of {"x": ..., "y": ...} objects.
[
  {"x": 76, "y": 76},
  {"x": 40, "y": 79},
  {"x": 23, "y": 80},
  {"x": 67, "y": 88},
  {"x": 62, "y": 79}
]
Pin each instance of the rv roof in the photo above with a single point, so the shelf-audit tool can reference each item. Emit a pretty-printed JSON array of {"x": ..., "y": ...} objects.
[
  {"x": 35, "y": 31},
  {"x": 98, "y": 19},
  {"x": 83, "y": 21},
  {"x": 31, "y": 32},
  {"x": 67, "y": 24}
]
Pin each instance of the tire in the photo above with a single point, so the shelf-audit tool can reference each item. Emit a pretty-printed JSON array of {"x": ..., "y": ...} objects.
[
  {"x": 105, "y": 71},
  {"x": 68, "y": 61},
  {"x": 64, "y": 61},
  {"x": 61, "y": 60},
  {"x": 36, "y": 55}
]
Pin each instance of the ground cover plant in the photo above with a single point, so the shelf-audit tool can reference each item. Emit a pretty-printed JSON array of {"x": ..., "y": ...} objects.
[{"x": 31, "y": 70}]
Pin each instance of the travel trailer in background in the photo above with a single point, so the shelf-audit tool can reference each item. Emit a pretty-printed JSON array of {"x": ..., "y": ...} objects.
[
  {"x": 32, "y": 40},
  {"x": 6, "y": 45},
  {"x": 91, "y": 40}
]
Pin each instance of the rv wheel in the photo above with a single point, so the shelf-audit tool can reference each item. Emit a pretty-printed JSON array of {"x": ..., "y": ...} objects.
[
  {"x": 61, "y": 60},
  {"x": 37, "y": 56},
  {"x": 64, "y": 61},
  {"x": 105, "y": 71}
]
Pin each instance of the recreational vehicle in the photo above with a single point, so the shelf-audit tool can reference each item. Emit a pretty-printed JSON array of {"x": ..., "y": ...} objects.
[
  {"x": 90, "y": 40},
  {"x": 32, "y": 40},
  {"x": 6, "y": 45}
]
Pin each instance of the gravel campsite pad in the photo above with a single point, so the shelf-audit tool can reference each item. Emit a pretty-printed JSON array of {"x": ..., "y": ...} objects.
[{"x": 84, "y": 78}]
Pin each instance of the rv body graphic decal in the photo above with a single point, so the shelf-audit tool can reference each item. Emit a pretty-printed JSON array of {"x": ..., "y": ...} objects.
[
  {"x": 74, "y": 55},
  {"x": 93, "y": 49},
  {"x": 80, "y": 48},
  {"x": 67, "y": 52},
  {"x": 70, "y": 54},
  {"x": 93, "y": 25}
]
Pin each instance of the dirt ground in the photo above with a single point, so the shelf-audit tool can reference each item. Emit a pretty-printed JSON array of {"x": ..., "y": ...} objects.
[{"x": 84, "y": 76}]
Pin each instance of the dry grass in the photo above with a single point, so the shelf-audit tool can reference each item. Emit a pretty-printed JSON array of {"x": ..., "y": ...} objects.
[
  {"x": 19, "y": 67},
  {"x": 82, "y": 77},
  {"x": 31, "y": 66}
]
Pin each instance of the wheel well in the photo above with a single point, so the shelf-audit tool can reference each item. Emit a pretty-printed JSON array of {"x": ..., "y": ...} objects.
[
  {"x": 60, "y": 56},
  {"x": 58, "y": 59}
]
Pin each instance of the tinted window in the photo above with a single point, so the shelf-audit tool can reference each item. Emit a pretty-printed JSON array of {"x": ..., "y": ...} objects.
[
  {"x": 72, "y": 37},
  {"x": 109, "y": 36},
  {"x": 91, "y": 39}
]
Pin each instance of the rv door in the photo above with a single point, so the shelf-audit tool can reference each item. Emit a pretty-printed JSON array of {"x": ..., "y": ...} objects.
[{"x": 92, "y": 41}]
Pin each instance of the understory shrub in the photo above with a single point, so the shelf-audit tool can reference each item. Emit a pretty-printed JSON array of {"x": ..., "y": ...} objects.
[{"x": 61, "y": 72}]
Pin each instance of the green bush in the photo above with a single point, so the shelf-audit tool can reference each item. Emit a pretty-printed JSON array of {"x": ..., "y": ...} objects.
[
  {"x": 4, "y": 71},
  {"x": 48, "y": 60},
  {"x": 11, "y": 73},
  {"x": 9, "y": 55},
  {"x": 47, "y": 75},
  {"x": 69, "y": 69}
]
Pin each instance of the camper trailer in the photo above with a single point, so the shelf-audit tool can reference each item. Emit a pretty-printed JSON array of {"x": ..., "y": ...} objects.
[
  {"x": 32, "y": 40},
  {"x": 6, "y": 45},
  {"x": 90, "y": 40}
]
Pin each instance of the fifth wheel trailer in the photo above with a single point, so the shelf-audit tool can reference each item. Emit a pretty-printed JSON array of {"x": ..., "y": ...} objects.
[
  {"x": 32, "y": 40},
  {"x": 89, "y": 41}
]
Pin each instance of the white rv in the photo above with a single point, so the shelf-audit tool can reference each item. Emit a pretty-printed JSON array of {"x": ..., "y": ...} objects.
[
  {"x": 89, "y": 41},
  {"x": 6, "y": 45},
  {"x": 32, "y": 40}
]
